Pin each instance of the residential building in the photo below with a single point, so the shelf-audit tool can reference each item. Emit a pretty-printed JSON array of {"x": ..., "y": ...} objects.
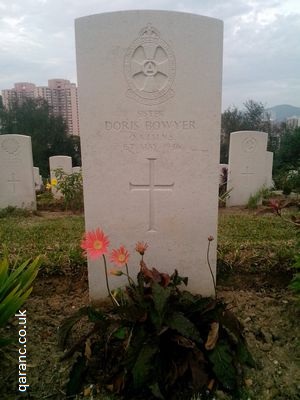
[
  {"x": 293, "y": 122},
  {"x": 60, "y": 94}
]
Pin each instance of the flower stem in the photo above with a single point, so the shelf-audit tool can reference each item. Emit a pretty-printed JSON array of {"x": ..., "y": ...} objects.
[
  {"x": 114, "y": 301},
  {"x": 130, "y": 281},
  {"x": 212, "y": 275}
]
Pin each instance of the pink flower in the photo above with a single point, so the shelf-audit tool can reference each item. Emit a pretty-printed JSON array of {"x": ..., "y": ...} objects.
[
  {"x": 141, "y": 247},
  {"x": 95, "y": 244},
  {"x": 119, "y": 256}
]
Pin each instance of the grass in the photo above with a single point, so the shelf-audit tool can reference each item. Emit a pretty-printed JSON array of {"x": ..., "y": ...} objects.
[
  {"x": 245, "y": 240},
  {"x": 255, "y": 241},
  {"x": 56, "y": 239}
]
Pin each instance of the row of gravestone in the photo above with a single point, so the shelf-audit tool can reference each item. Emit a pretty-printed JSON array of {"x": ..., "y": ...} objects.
[
  {"x": 19, "y": 180},
  {"x": 249, "y": 169}
]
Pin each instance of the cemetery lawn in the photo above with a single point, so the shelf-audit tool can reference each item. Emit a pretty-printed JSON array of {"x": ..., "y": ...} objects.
[{"x": 255, "y": 253}]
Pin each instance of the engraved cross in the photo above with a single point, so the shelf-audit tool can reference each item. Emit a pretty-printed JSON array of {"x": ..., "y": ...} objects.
[
  {"x": 13, "y": 181},
  {"x": 151, "y": 188},
  {"x": 247, "y": 173}
]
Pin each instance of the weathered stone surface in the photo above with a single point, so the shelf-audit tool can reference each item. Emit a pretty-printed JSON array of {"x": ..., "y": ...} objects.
[
  {"x": 247, "y": 165},
  {"x": 16, "y": 172},
  {"x": 149, "y": 99},
  {"x": 59, "y": 162}
]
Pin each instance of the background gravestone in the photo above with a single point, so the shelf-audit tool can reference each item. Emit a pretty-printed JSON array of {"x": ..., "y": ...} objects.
[
  {"x": 16, "y": 172},
  {"x": 38, "y": 182},
  {"x": 269, "y": 169},
  {"x": 150, "y": 96},
  {"x": 76, "y": 170},
  {"x": 247, "y": 165},
  {"x": 59, "y": 162}
]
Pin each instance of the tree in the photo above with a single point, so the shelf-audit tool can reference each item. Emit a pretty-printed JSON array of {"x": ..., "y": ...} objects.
[
  {"x": 287, "y": 162},
  {"x": 33, "y": 117},
  {"x": 288, "y": 155}
]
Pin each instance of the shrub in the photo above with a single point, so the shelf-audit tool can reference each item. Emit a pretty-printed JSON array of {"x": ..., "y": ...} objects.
[
  {"x": 11, "y": 211},
  {"x": 15, "y": 288},
  {"x": 71, "y": 188},
  {"x": 256, "y": 198},
  {"x": 155, "y": 340}
]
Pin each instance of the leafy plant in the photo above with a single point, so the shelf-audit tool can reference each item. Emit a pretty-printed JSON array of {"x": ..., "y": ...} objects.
[
  {"x": 15, "y": 288},
  {"x": 256, "y": 198},
  {"x": 277, "y": 207},
  {"x": 71, "y": 188},
  {"x": 47, "y": 202},
  {"x": 155, "y": 340},
  {"x": 11, "y": 211}
]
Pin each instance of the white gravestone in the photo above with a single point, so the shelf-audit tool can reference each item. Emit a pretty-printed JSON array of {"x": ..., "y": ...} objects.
[
  {"x": 38, "y": 182},
  {"x": 150, "y": 95},
  {"x": 16, "y": 172},
  {"x": 247, "y": 165},
  {"x": 269, "y": 169},
  {"x": 59, "y": 162},
  {"x": 76, "y": 170}
]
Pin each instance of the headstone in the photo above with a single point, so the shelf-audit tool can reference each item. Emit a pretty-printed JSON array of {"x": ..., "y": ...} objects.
[
  {"x": 38, "y": 182},
  {"x": 76, "y": 170},
  {"x": 16, "y": 172},
  {"x": 247, "y": 165},
  {"x": 150, "y": 95},
  {"x": 59, "y": 162},
  {"x": 269, "y": 170}
]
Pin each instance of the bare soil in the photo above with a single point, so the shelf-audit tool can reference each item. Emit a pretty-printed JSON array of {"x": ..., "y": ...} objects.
[{"x": 270, "y": 317}]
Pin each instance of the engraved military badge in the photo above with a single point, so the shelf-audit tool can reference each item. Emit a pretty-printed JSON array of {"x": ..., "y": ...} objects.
[
  {"x": 149, "y": 68},
  {"x": 10, "y": 145},
  {"x": 249, "y": 144}
]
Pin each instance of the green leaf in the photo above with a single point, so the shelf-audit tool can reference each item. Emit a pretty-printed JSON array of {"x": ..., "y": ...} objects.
[
  {"x": 184, "y": 326},
  {"x": 144, "y": 365},
  {"x": 244, "y": 355},
  {"x": 5, "y": 342},
  {"x": 68, "y": 323},
  {"x": 76, "y": 376},
  {"x": 95, "y": 315},
  {"x": 121, "y": 333},
  {"x": 156, "y": 391},
  {"x": 160, "y": 297},
  {"x": 295, "y": 283},
  {"x": 223, "y": 365}
]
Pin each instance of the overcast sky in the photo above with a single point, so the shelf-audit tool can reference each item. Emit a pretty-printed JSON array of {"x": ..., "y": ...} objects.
[{"x": 261, "y": 42}]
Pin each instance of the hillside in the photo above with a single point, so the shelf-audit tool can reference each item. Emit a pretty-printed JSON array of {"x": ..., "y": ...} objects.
[{"x": 283, "y": 111}]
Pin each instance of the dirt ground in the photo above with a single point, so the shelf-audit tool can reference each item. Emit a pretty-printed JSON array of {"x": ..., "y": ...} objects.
[{"x": 270, "y": 317}]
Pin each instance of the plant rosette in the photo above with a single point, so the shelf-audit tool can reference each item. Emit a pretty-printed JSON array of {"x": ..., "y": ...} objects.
[{"x": 156, "y": 339}]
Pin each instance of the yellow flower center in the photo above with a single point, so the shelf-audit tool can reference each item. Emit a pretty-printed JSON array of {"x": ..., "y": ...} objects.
[
  {"x": 97, "y": 245},
  {"x": 121, "y": 258}
]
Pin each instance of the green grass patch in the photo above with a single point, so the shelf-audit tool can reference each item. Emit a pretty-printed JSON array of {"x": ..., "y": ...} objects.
[
  {"x": 255, "y": 241},
  {"x": 57, "y": 240},
  {"x": 245, "y": 240}
]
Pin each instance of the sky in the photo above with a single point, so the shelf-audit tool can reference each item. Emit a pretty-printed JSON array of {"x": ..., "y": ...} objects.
[{"x": 261, "y": 58}]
